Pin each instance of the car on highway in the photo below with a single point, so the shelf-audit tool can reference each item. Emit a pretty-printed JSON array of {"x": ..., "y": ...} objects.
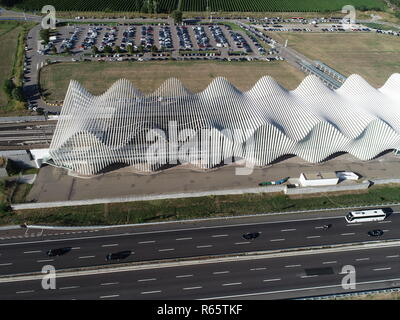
[
  {"x": 375, "y": 233},
  {"x": 251, "y": 235},
  {"x": 58, "y": 251},
  {"x": 118, "y": 255}
]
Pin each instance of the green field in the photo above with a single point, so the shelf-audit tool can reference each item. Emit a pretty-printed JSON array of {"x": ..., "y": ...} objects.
[
  {"x": 9, "y": 32},
  {"x": 149, "y": 76},
  {"x": 373, "y": 56},
  {"x": 163, "y": 6}
]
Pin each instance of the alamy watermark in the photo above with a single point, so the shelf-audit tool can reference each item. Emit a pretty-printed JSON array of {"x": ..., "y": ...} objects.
[
  {"x": 49, "y": 21},
  {"x": 349, "y": 280},
  {"x": 349, "y": 20},
  {"x": 49, "y": 278},
  {"x": 205, "y": 148}
]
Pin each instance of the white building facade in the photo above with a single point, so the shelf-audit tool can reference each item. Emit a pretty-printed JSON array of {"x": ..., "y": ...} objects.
[{"x": 222, "y": 124}]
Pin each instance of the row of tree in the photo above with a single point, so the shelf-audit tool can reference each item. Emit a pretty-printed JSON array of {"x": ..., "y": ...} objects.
[
  {"x": 118, "y": 49},
  {"x": 9, "y": 3},
  {"x": 12, "y": 91}
]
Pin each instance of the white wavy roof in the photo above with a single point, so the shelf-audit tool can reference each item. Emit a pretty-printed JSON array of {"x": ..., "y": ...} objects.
[{"x": 312, "y": 121}]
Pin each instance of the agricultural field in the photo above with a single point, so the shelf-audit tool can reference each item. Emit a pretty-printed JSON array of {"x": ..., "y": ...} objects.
[
  {"x": 148, "y": 76},
  {"x": 373, "y": 56},
  {"x": 163, "y": 6}
]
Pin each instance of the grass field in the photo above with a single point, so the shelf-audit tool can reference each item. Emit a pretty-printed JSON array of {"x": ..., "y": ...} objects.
[
  {"x": 373, "y": 56},
  {"x": 180, "y": 209},
  {"x": 201, "y": 5},
  {"x": 9, "y": 32},
  {"x": 148, "y": 76}
]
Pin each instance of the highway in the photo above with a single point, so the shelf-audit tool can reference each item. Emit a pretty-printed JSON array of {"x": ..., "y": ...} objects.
[
  {"x": 271, "y": 278},
  {"x": 221, "y": 237},
  {"x": 20, "y": 257}
]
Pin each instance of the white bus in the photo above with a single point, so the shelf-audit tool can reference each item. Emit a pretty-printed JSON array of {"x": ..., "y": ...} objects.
[{"x": 365, "y": 216}]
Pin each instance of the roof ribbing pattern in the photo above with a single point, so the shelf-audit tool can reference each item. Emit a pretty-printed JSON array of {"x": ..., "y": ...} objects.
[{"x": 312, "y": 122}]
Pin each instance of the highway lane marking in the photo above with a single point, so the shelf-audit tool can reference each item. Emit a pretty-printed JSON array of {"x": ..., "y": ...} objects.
[
  {"x": 362, "y": 259},
  {"x": 204, "y": 246},
  {"x": 348, "y": 234},
  {"x": 287, "y": 230},
  {"x": 86, "y": 257},
  {"x": 273, "y": 240},
  {"x": 231, "y": 284},
  {"x": 26, "y": 291},
  {"x": 293, "y": 266},
  {"x": 219, "y": 235},
  {"x": 193, "y": 288},
  {"x": 72, "y": 287},
  {"x": 394, "y": 256},
  {"x": 387, "y": 221},
  {"x": 145, "y": 280},
  {"x": 145, "y": 242},
  {"x": 329, "y": 262},
  {"x": 245, "y": 242},
  {"x": 382, "y": 269},
  {"x": 75, "y": 248},
  {"x": 258, "y": 269},
  {"x": 167, "y": 231},
  {"x": 310, "y": 276},
  {"x": 110, "y": 245},
  {"x": 163, "y": 250},
  {"x": 313, "y": 237},
  {"x": 150, "y": 292},
  {"x": 109, "y": 283},
  {"x": 35, "y": 251},
  {"x": 184, "y": 276},
  {"x": 110, "y": 296},
  {"x": 353, "y": 224},
  {"x": 268, "y": 280},
  {"x": 5, "y": 264},
  {"x": 182, "y": 239},
  {"x": 220, "y": 272},
  {"x": 46, "y": 260},
  {"x": 296, "y": 289}
]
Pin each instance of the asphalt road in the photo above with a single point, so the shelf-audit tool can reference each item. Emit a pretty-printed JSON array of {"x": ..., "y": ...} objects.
[
  {"x": 271, "y": 278},
  {"x": 29, "y": 255}
]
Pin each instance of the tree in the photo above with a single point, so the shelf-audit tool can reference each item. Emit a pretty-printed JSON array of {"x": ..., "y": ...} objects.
[
  {"x": 154, "y": 48},
  {"x": 54, "y": 50},
  {"x": 8, "y": 87},
  {"x": 140, "y": 49},
  {"x": 95, "y": 50},
  {"x": 9, "y": 3},
  {"x": 18, "y": 94},
  {"x": 129, "y": 48},
  {"x": 177, "y": 16},
  {"x": 45, "y": 35},
  {"x": 108, "y": 50},
  {"x": 118, "y": 49}
]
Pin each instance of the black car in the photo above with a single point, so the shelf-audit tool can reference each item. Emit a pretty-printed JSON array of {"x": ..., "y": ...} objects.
[
  {"x": 375, "y": 233},
  {"x": 118, "y": 255},
  {"x": 58, "y": 251},
  {"x": 251, "y": 235}
]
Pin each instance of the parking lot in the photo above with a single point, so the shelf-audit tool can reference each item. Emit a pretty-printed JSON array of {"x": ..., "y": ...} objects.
[{"x": 156, "y": 42}]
